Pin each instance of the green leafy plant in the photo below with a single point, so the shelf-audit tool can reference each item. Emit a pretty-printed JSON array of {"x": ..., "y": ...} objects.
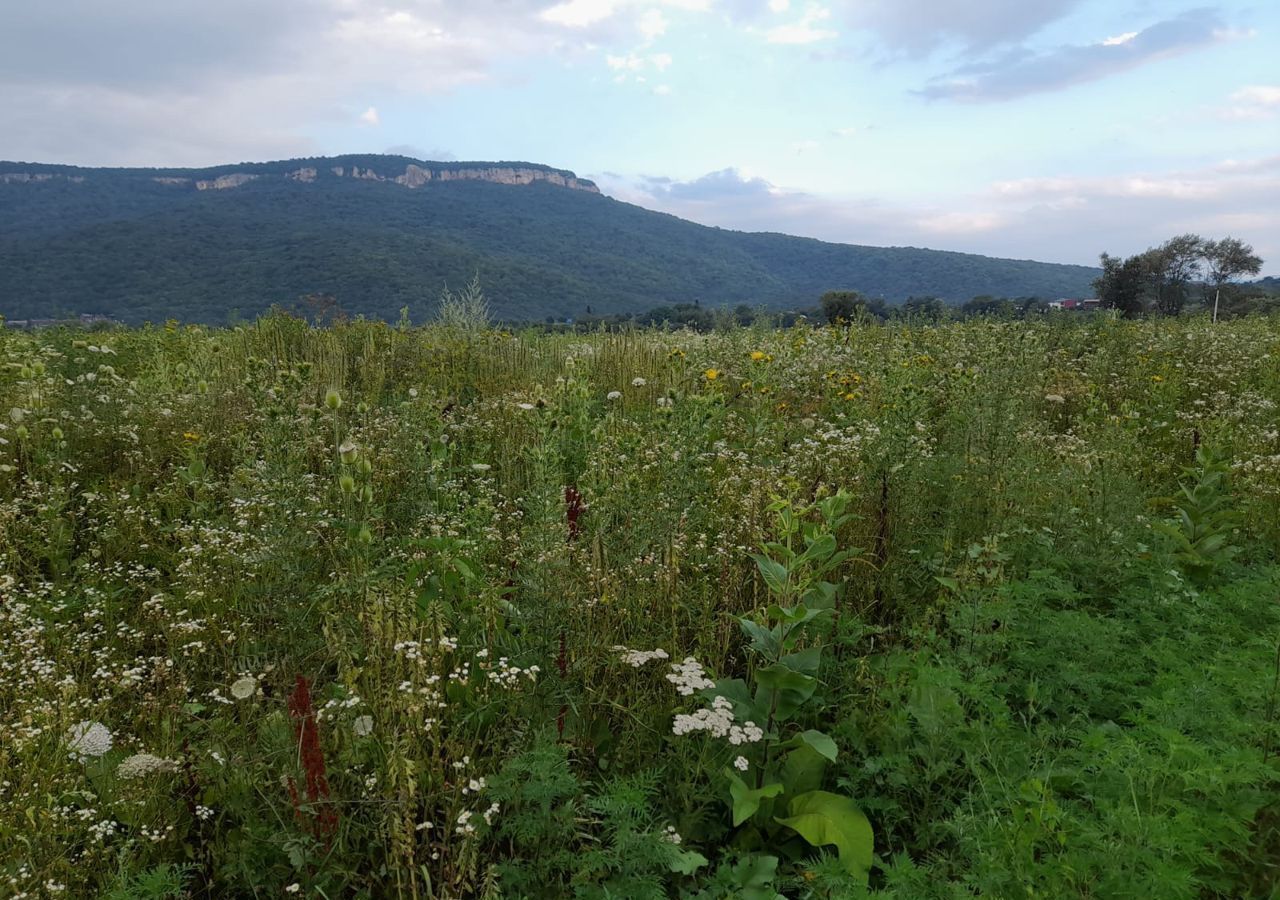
[
  {"x": 1203, "y": 531},
  {"x": 786, "y": 653}
]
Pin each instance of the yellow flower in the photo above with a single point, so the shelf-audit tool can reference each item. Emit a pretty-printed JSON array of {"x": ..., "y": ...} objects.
[
  {"x": 190, "y": 436},
  {"x": 711, "y": 374},
  {"x": 758, "y": 356},
  {"x": 1157, "y": 378}
]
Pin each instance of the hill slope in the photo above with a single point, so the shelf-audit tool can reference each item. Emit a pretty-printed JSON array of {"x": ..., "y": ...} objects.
[{"x": 382, "y": 232}]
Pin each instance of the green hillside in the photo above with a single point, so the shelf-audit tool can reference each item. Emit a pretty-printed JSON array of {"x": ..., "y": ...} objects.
[{"x": 143, "y": 244}]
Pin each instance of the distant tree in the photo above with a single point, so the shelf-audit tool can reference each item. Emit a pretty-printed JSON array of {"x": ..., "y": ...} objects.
[
  {"x": 928, "y": 308},
  {"x": 1124, "y": 284},
  {"x": 840, "y": 306},
  {"x": 1172, "y": 266},
  {"x": 1226, "y": 260},
  {"x": 987, "y": 305}
]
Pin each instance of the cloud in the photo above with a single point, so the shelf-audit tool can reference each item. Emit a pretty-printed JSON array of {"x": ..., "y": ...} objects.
[
  {"x": 153, "y": 82},
  {"x": 1030, "y": 218},
  {"x": 1019, "y": 72},
  {"x": 804, "y": 30},
  {"x": 1253, "y": 103},
  {"x": 370, "y": 117},
  {"x": 580, "y": 13},
  {"x": 920, "y": 26}
]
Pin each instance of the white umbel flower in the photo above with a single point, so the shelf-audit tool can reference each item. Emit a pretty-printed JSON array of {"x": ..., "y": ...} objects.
[
  {"x": 88, "y": 739},
  {"x": 244, "y": 687},
  {"x": 142, "y": 765},
  {"x": 363, "y": 726}
]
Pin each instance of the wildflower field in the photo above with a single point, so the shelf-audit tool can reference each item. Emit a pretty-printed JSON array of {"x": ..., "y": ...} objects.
[{"x": 982, "y": 609}]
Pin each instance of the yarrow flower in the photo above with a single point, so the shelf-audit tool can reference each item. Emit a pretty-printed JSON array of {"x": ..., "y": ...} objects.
[
  {"x": 613, "y": 395},
  {"x": 88, "y": 739},
  {"x": 363, "y": 726},
  {"x": 244, "y": 687},
  {"x": 142, "y": 765},
  {"x": 718, "y": 721},
  {"x": 689, "y": 677},
  {"x": 637, "y": 658},
  {"x": 741, "y": 764},
  {"x": 638, "y": 382}
]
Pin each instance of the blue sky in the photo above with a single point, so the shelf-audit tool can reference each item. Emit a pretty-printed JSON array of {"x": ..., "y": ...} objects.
[{"x": 1051, "y": 130}]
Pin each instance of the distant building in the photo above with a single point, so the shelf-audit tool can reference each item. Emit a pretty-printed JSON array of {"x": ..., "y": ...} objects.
[{"x": 1075, "y": 303}]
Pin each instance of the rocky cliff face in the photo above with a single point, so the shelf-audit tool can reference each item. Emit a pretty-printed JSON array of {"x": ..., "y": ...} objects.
[{"x": 414, "y": 176}]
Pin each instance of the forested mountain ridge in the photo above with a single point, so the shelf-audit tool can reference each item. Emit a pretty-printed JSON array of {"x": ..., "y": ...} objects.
[{"x": 378, "y": 233}]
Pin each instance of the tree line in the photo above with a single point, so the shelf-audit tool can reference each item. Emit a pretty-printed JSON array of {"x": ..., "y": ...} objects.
[{"x": 1167, "y": 279}]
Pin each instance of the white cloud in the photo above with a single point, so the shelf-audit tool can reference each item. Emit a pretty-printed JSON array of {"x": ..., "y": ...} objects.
[
  {"x": 660, "y": 61},
  {"x": 370, "y": 116},
  {"x": 580, "y": 13},
  {"x": 628, "y": 63},
  {"x": 653, "y": 24},
  {"x": 1119, "y": 39},
  {"x": 1253, "y": 103},
  {"x": 662, "y": 90},
  {"x": 1019, "y": 72},
  {"x": 779, "y": 6},
  {"x": 804, "y": 30},
  {"x": 1057, "y": 219}
]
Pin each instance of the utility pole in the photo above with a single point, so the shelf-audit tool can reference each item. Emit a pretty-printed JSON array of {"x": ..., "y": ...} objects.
[{"x": 1216, "y": 295}]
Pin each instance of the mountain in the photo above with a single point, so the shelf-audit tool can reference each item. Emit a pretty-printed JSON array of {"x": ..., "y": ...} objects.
[{"x": 382, "y": 232}]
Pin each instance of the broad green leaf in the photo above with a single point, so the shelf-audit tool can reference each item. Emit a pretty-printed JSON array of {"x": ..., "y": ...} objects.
[
  {"x": 820, "y": 742},
  {"x": 746, "y": 799},
  {"x": 755, "y": 873},
  {"x": 686, "y": 862},
  {"x": 805, "y": 661},
  {"x": 803, "y": 769},
  {"x": 793, "y": 689},
  {"x": 820, "y": 550},
  {"x": 762, "y": 639},
  {"x": 822, "y": 818},
  {"x": 774, "y": 573}
]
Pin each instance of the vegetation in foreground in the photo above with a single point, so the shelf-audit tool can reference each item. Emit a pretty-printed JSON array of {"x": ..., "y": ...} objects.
[{"x": 985, "y": 609}]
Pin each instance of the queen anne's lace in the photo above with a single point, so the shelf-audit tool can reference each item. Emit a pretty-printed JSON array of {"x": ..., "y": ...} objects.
[
  {"x": 88, "y": 739},
  {"x": 141, "y": 765}
]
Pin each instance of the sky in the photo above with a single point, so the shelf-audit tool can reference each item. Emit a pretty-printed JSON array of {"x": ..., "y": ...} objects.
[{"x": 1042, "y": 129}]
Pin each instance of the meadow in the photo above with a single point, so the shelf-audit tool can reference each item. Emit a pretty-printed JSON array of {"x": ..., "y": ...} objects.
[{"x": 983, "y": 609}]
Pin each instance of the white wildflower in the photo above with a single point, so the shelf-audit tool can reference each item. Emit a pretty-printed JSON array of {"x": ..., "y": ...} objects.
[
  {"x": 638, "y": 382},
  {"x": 689, "y": 677},
  {"x": 613, "y": 395},
  {"x": 88, "y": 739},
  {"x": 363, "y": 726},
  {"x": 637, "y": 658},
  {"x": 741, "y": 764},
  {"x": 143, "y": 765},
  {"x": 244, "y": 687}
]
